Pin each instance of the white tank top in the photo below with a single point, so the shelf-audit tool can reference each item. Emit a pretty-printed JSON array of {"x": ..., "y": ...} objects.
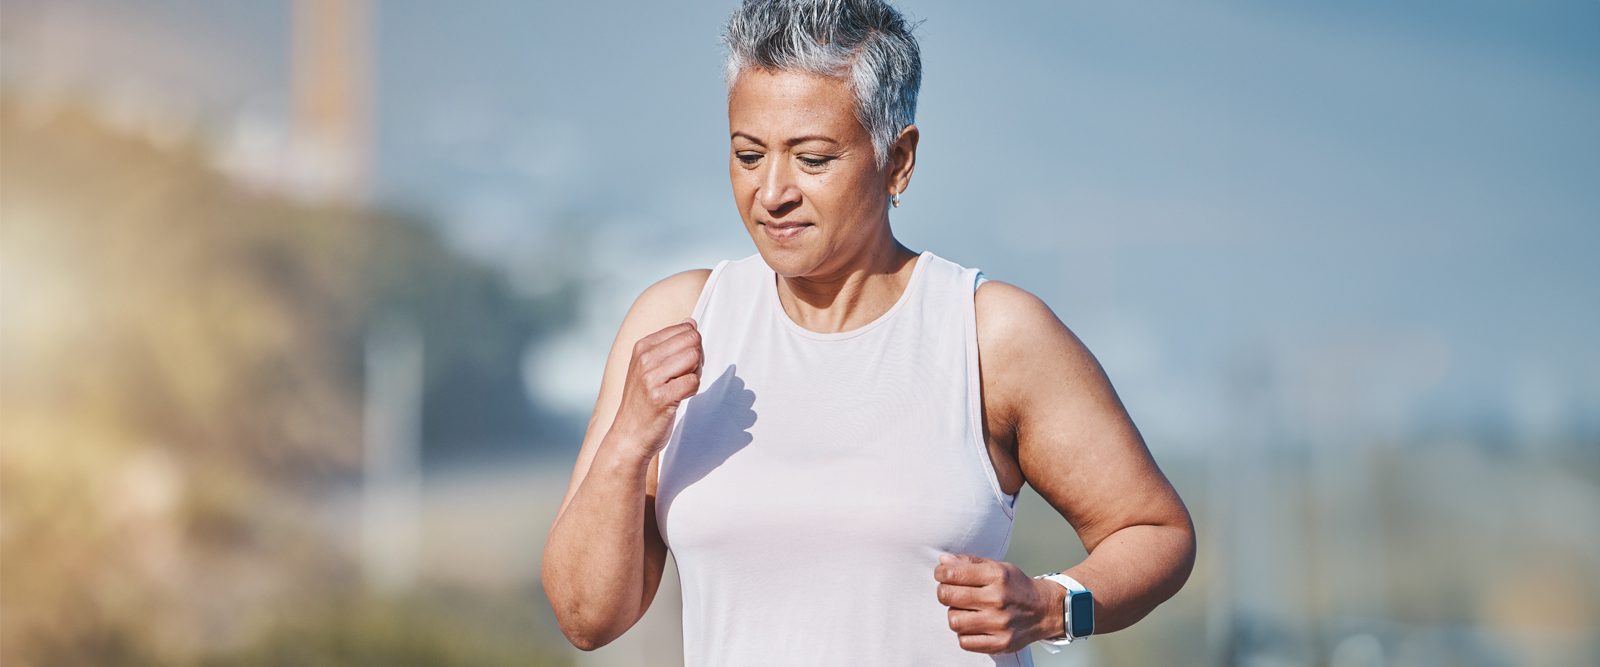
[{"x": 808, "y": 488}]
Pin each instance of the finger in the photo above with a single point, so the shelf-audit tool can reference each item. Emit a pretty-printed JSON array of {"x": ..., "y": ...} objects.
[
  {"x": 981, "y": 643},
  {"x": 967, "y": 622},
  {"x": 681, "y": 339},
  {"x": 964, "y": 597},
  {"x": 683, "y": 386},
  {"x": 968, "y": 597},
  {"x": 679, "y": 363},
  {"x": 963, "y": 573},
  {"x": 674, "y": 356},
  {"x": 664, "y": 333},
  {"x": 962, "y": 558}
]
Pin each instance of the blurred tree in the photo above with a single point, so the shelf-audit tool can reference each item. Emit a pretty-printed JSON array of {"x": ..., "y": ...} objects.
[{"x": 180, "y": 370}]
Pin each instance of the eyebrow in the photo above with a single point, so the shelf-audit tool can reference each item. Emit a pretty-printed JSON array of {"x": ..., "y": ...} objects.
[{"x": 791, "y": 142}]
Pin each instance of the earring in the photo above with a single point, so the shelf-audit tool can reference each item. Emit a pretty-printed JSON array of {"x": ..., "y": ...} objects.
[{"x": 894, "y": 198}]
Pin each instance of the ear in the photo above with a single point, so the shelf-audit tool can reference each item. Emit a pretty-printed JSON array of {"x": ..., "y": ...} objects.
[{"x": 902, "y": 159}]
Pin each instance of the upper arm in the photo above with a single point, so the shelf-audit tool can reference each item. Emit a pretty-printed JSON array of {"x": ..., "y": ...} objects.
[
  {"x": 1075, "y": 442},
  {"x": 662, "y": 304}
]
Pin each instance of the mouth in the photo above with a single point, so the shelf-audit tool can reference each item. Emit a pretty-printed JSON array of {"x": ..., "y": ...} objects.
[{"x": 784, "y": 231}]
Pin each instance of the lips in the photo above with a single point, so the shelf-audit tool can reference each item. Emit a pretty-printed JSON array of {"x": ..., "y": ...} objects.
[
  {"x": 784, "y": 231},
  {"x": 784, "y": 225}
]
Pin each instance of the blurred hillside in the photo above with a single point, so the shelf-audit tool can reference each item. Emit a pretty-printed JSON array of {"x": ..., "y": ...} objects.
[{"x": 182, "y": 375}]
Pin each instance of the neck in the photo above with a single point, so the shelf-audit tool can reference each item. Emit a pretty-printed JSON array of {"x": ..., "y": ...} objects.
[{"x": 842, "y": 298}]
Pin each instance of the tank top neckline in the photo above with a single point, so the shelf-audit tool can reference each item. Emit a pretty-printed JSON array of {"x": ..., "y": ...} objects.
[{"x": 905, "y": 296}]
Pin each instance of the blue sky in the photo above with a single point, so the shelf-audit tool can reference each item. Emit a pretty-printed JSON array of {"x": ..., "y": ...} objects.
[{"x": 1391, "y": 207}]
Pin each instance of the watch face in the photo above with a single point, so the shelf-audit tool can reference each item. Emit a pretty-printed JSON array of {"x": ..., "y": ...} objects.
[{"x": 1082, "y": 615}]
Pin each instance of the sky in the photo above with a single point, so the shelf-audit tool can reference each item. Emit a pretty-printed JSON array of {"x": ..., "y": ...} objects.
[{"x": 1387, "y": 211}]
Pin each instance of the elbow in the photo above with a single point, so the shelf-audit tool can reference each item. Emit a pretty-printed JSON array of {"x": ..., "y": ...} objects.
[
  {"x": 582, "y": 624},
  {"x": 584, "y": 642},
  {"x": 1185, "y": 552},
  {"x": 582, "y": 631}
]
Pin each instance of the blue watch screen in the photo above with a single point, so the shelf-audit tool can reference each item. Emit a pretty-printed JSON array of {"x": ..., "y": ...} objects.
[{"x": 1082, "y": 615}]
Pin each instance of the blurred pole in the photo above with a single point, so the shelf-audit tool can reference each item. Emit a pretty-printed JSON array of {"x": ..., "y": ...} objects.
[
  {"x": 1348, "y": 557},
  {"x": 392, "y": 479},
  {"x": 1222, "y": 481},
  {"x": 1267, "y": 605}
]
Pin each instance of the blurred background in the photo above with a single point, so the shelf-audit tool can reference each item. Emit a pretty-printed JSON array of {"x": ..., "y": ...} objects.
[{"x": 304, "y": 304}]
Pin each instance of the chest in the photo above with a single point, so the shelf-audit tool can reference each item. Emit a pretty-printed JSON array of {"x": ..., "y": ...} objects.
[{"x": 831, "y": 459}]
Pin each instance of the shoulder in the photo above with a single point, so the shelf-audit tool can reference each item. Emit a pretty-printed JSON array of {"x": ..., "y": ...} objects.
[
  {"x": 671, "y": 298},
  {"x": 1025, "y": 349},
  {"x": 1011, "y": 318}
]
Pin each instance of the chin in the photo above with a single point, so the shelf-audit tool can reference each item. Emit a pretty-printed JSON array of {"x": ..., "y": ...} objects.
[{"x": 785, "y": 261}]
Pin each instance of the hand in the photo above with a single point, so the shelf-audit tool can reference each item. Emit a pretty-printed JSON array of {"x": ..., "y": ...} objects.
[
  {"x": 994, "y": 606},
  {"x": 664, "y": 370}
]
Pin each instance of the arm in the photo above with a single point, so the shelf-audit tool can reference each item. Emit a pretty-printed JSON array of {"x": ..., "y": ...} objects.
[
  {"x": 1079, "y": 449},
  {"x": 604, "y": 556}
]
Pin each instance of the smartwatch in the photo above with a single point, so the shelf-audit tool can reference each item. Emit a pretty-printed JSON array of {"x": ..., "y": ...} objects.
[{"x": 1078, "y": 612}]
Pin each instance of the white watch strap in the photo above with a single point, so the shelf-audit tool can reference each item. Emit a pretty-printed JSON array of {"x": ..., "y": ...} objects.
[{"x": 1072, "y": 586}]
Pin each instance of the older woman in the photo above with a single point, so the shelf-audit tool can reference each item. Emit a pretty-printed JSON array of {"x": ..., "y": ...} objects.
[{"x": 807, "y": 428}]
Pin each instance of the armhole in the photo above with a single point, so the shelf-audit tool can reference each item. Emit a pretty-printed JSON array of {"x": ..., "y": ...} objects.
[
  {"x": 974, "y": 278},
  {"x": 698, "y": 314}
]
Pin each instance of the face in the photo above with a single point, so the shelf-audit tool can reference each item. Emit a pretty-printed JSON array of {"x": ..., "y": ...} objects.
[{"x": 799, "y": 156}]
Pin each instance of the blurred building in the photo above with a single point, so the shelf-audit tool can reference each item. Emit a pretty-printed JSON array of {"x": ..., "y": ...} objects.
[
  {"x": 330, "y": 146},
  {"x": 323, "y": 152}
]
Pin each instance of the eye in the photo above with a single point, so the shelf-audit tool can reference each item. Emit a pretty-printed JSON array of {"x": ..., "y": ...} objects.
[
  {"x": 748, "y": 158},
  {"x": 812, "y": 161}
]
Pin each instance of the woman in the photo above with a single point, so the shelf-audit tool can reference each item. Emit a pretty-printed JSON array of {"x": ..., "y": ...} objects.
[{"x": 808, "y": 427}]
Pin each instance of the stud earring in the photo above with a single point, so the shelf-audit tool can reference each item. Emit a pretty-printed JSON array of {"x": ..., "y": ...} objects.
[{"x": 894, "y": 199}]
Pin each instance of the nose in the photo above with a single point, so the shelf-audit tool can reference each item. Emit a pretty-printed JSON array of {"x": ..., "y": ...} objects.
[{"x": 778, "y": 192}]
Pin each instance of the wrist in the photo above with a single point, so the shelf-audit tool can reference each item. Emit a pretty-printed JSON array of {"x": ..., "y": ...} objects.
[
  {"x": 1052, "y": 622},
  {"x": 1077, "y": 611},
  {"x": 620, "y": 449}
]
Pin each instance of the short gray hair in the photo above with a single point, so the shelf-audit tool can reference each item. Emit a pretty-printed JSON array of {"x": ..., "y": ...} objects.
[{"x": 867, "y": 42}]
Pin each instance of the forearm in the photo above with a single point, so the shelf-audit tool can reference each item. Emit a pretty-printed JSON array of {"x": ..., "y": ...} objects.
[
  {"x": 593, "y": 567},
  {"x": 1130, "y": 573}
]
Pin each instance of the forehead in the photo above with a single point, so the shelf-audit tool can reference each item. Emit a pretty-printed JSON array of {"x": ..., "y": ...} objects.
[{"x": 775, "y": 104}]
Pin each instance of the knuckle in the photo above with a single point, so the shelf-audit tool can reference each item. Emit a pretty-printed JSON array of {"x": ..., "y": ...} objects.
[{"x": 969, "y": 642}]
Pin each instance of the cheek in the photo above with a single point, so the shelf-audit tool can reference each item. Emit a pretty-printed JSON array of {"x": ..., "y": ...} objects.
[
  {"x": 844, "y": 194},
  {"x": 743, "y": 184}
]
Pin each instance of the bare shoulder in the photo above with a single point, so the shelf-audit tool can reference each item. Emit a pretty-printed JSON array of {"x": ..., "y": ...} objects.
[
  {"x": 1022, "y": 343},
  {"x": 1014, "y": 324},
  {"x": 1006, "y": 309},
  {"x": 669, "y": 299}
]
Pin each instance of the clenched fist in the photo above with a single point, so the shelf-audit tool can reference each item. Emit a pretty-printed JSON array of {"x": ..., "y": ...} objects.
[
  {"x": 664, "y": 370},
  {"x": 994, "y": 606}
]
